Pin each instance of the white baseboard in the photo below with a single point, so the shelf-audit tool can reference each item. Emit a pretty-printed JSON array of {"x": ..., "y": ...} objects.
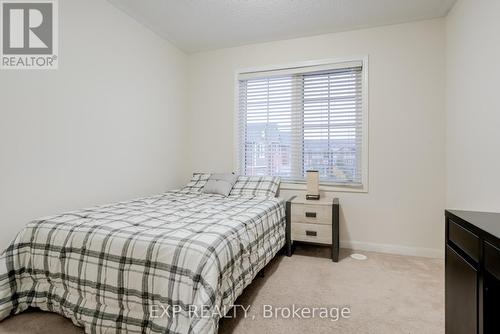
[{"x": 393, "y": 249}]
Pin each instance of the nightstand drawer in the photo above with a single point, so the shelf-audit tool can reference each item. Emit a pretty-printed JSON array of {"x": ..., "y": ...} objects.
[
  {"x": 310, "y": 213},
  {"x": 312, "y": 233}
]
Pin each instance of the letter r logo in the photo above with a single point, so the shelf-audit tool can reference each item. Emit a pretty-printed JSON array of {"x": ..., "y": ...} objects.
[{"x": 27, "y": 28}]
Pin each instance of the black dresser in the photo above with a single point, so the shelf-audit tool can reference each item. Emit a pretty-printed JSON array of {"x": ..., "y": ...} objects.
[{"x": 472, "y": 272}]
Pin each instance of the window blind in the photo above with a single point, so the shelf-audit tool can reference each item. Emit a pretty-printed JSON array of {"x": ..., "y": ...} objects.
[{"x": 293, "y": 121}]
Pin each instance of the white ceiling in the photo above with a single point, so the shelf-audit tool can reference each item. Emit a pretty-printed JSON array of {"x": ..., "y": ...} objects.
[{"x": 198, "y": 25}]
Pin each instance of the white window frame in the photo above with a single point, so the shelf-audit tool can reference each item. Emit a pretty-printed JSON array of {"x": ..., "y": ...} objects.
[{"x": 363, "y": 188}]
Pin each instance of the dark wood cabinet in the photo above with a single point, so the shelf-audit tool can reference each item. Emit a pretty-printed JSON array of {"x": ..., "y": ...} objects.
[{"x": 472, "y": 272}]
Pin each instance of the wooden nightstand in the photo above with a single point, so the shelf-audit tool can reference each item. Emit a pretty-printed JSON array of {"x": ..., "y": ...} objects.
[{"x": 314, "y": 222}]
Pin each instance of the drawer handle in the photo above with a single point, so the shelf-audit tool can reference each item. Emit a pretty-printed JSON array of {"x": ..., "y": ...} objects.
[
  {"x": 311, "y": 214},
  {"x": 311, "y": 233}
]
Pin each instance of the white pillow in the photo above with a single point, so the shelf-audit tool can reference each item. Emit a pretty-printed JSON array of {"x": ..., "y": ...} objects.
[{"x": 219, "y": 183}]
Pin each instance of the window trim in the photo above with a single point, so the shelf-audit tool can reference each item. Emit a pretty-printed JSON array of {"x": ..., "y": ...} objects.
[{"x": 365, "y": 114}]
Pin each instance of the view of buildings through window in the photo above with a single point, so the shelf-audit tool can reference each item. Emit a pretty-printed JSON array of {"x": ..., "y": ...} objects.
[{"x": 295, "y": 123}]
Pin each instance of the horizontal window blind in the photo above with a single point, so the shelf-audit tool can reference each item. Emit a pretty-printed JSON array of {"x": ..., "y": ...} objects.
[{"x": 293, "y": 121}]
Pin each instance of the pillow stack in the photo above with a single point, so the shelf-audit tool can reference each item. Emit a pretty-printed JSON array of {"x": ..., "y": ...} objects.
[{"x": 229, "y": 184}]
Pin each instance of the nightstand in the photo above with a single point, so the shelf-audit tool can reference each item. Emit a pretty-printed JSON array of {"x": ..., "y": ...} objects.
[{"x": 313, "y": 222}]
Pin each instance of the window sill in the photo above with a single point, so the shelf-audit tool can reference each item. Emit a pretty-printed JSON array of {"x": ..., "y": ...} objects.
[{"x": 326, "y": 188}]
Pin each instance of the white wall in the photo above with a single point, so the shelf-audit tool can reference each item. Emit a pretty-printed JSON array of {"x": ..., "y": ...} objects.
[
  {"x": 106, "y": 126},
  {"x": 473, "y": 105},
  {"x": 403, "y": 211}
]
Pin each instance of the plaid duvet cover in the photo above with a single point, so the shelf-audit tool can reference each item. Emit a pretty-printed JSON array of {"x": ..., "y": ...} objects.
[{"x": 143, "y": 266}]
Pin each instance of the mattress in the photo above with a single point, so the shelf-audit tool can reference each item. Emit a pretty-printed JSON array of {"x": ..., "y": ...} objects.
[{"x": 169, "y": 263}]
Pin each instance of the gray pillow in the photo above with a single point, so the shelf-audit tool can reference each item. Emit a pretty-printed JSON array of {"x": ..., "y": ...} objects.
[{"x": 220, "y": 183}]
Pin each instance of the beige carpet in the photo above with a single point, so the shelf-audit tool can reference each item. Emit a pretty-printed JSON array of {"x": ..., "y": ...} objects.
[{"x": 386, "y": 294}]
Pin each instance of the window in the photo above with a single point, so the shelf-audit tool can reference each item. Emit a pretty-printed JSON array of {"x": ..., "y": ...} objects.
[{"x": 306, "y": 117}]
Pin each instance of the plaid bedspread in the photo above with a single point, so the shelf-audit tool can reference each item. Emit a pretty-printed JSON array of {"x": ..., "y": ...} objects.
[{"x": 170, "y": 263}]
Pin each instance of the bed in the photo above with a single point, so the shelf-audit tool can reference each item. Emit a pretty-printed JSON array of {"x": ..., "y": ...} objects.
[{"x": 169, "y": 263}]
